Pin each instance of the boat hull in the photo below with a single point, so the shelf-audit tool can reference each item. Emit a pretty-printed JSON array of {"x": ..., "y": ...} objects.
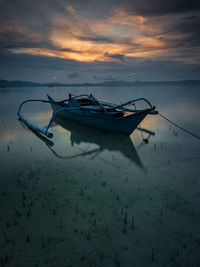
[{"x": 122, "y": 125}]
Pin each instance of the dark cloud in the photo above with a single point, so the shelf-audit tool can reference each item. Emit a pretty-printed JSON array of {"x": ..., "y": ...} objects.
[
  {"x": 182, "y": 35},
  {"x": 16, "y": 37},
  {"x": 44, "y": 69},
  {"x": 189, "y": 26},
  {"x": 97, "y": 38},
  {"x": 109, "y": 78},
  {"x": 119, "y": 57},
  {"x": 104, "y": 78},
  {"x": 72, "y": 75},
  {"x": 38, "y": 14},
  {"x": 160, "y": 7}
]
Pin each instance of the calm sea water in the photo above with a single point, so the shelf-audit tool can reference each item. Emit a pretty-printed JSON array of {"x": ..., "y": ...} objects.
[{"x": 89, "y": 198}]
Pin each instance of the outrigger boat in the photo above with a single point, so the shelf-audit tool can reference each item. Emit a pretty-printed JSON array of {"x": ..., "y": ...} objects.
[{"x": 98, "y": 114}]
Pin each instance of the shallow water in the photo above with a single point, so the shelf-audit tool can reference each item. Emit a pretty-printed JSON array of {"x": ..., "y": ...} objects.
[{"x": 90, "y": 198}]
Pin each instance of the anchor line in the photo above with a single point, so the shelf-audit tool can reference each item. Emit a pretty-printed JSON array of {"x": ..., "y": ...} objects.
[{"x": 179, "y": 127}]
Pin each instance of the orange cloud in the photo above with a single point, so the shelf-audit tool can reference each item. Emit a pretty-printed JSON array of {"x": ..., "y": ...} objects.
[
  {"x": 76, "y": 38},
  {"x": 122, "y": 17},
  {"x": 10, "y": 31},
  {"x": 129, "y": 36}
]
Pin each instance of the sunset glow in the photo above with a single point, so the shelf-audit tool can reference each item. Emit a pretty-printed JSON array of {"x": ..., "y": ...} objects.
[
  {"x": 121, "y": 35},
  {"x": 120, "y": 38}
]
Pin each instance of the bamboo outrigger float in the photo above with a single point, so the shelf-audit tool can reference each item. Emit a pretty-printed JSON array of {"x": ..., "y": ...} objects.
[{"x": 98, "y": 114}]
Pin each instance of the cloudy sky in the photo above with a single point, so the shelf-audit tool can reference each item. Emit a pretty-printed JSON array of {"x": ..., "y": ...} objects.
[{"x": 94, "y": 41}]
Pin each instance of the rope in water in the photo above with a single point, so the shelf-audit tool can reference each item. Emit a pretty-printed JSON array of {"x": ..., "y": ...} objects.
[{"x": 179, "y": 127}]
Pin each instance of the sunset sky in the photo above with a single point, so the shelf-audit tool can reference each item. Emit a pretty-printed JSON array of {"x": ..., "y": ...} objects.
[{"x": 94, "y": 41}]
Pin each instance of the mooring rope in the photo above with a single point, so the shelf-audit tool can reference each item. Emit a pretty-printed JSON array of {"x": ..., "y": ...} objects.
[{"x": 179, "y": 127}]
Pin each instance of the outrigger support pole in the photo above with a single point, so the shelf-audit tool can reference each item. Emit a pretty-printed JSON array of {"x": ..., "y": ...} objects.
[
  {"x": 34, "y": 126},
  {"x": 55, "y": 114},
  {"x": 29, "y": 123}
]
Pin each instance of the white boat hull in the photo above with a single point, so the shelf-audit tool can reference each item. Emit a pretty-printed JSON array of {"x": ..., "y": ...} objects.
[{"x": 122, "y": 125}]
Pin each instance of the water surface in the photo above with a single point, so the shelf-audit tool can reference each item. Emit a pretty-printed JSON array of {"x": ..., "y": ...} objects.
[{"x": 90, "y": 198}]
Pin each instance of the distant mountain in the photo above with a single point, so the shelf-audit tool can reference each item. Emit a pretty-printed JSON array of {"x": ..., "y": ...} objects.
[{"x": 5, "y": 83}]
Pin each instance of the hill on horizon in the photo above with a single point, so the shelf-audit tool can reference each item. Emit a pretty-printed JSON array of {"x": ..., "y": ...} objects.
[{"x": 6, "y": 83}]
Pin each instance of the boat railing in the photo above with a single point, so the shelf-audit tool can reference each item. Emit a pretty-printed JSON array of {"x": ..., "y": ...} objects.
[
  {"x": 73, "y": 97},
  {"x": 131, "y": 102},
  {"x": 116, "y": 106}
]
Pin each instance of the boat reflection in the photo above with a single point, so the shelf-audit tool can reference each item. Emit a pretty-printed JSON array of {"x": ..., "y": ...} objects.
[
  {"x": 43, "y": 138},
  {"x": 104, "y": 141}
]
